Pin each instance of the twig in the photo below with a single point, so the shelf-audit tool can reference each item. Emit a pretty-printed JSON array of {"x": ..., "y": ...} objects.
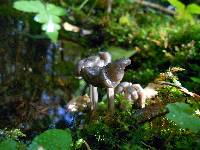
[
  {"x": 146, "y": 145},
  {"x": 87, "y": 145},
  {"x": 184, "y": 90},
  {"x": 155, "y": 6},
  {"x": 149, "y": 113}
]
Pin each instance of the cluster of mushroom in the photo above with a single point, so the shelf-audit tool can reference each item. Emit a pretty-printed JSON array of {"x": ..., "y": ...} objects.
[
  {"x": 135, "y": 93},
  {"x": 99, "y": 71}
]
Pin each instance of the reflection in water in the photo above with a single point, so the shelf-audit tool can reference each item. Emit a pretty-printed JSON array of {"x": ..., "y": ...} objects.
[
  {"x": 60, "y": 117},
  {"x": 49, "y": 59}
]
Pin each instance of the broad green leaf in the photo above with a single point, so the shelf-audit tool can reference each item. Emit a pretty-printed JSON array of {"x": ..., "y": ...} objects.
[
  {"x": 182, "y": 115},
  {"x": 55, "y": 19},
  {"x": 29, "y": 6},
  {"x": 193, "y": 9},
  {"x": 44, "y": 18},
  {"x": 53, "y": 139},
  {"x": 118, "y": 52},
  {"x": 197, "y": 80},
  {"x": 55, "y": 10},
  {"x": 178, "y": 5},
  {"x": 53, "y": 36},
  {"x": 41, "y": 18},
  {"x": 8, "y": 145}
]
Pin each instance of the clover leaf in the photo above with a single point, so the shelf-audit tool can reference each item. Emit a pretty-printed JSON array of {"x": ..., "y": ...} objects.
[{"x": 46, "y": 14}]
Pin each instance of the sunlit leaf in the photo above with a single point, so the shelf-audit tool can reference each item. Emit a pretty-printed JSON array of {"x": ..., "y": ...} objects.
[
  {"x": 29, "y": 6},
  {"x": 118, "y": 52},
  {"x": 55, "y": 10},
  {"x": 55, "y": 19},
  {"x": 41, "y": 18},
  {"x": 44, "y": 17},
  {"x": 182, "y": 115},
  {"x": 193, "y": 9},
  {"x": 53, "y": 139}
]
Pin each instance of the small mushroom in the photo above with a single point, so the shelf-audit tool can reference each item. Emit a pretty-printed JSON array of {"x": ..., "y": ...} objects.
[
  {"x": 122, "y": 86},
  {"x": 101, "y": 60},
  {"x": 108, "y": 76},
  {"x": 135, "y": 93}
]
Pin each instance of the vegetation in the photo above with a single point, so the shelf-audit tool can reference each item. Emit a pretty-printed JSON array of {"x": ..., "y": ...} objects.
[{"x": 42, "y": 41}]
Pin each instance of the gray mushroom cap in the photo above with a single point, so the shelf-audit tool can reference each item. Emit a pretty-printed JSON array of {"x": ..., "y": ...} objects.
[
  {"x": 108, "y": 76},
  {"x": 102, "y": 59}
]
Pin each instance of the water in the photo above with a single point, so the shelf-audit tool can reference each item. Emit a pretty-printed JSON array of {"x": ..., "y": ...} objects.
[{"x": 60, "y": 117}]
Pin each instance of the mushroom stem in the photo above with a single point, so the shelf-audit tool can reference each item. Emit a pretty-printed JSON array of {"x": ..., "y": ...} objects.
[
  {"x": 93, "y": 97},
  {"x": 111, "y": 104},
  {"x": 109, "y": 7}
]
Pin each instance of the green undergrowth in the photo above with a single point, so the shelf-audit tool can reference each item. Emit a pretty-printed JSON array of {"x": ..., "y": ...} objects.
[
  {"x": 122, "y": 132},
  {"x": 153, "y": 40}
]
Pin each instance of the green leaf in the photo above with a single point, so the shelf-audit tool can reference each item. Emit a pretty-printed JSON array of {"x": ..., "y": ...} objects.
[
  {"x": 55, "y": 10},
  {"x": 41, "y": 18},
  {"x": 44, "y": 18},
  {"x": 8, "y": 145},
  {"x": 55, "y": 19},
  {"x": 197, "y": 80},
  {"x": 118, "y": 52},
  {"x": 193, "y": 9},
  {"x": 47, "y": 14},
  {"x": 178, "y": 5},
  {"x": 53, "y": 139},
  {"x": 53, "y": 36},
  {"x": 182, "y": 115},
  {"x": 29, "y": 6}
]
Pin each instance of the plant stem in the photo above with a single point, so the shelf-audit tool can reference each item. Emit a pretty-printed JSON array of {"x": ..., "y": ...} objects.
[
  {"x": 83, "y": 4},
  {"x": 87, "y": 145}
]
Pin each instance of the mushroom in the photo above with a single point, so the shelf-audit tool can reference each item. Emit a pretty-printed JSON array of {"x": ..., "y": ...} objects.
[
  {"x": 135, "y": 93},
  {"x": 108, "y": 76},
  {"x": 101, "y": 60}
]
